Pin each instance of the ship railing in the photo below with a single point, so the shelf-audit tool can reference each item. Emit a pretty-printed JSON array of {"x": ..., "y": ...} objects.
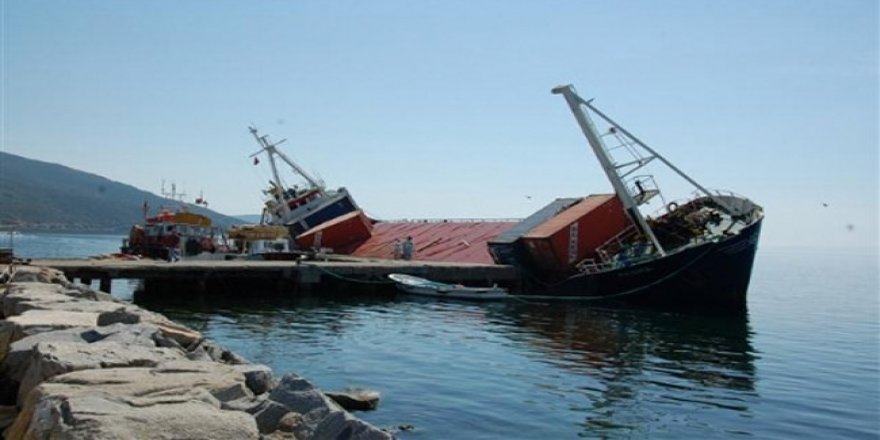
[
  {"x": 590, "y": 265},
  {"x": 644, "y": 188},
  {"x": 620, "y": 259},
  {"x": 608, "y": 250}
]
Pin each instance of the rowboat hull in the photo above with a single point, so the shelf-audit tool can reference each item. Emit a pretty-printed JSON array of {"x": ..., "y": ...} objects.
[{"x": 420, "y": 286}]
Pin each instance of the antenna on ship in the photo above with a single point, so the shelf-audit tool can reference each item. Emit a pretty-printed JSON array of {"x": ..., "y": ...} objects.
[{"x": 173, "y": 195}]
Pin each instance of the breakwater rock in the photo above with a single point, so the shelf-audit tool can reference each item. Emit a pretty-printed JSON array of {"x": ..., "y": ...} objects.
[{"x": 76, "y": 363}]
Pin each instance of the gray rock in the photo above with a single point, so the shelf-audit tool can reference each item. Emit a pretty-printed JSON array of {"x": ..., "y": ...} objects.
[
  {"x": 93, "y": 416},
  {"x": 18, "y": 359},
  {"x": 7, "y": 415},
  {"x": 259, "y": 378},
  {"x": 121, "y": 315},
  {"x": 22, "y": 297},
  {"x": 321, "y": 416},
  {"x": 266, "y": 413},
  {"x": 233, "y": 358},
  {"x": 207, "y": 348},
  {"x": 301, "y": 396},
  {"x": 49, "y": 359},
  {"x": 181, "y": 335},
  {"x": 176, "y": 400},
  {"x": 355, "y": 399},
  {"x": 290, "y": 422},
  {"x": 38, "y": 274},
  {"x": 37, "y": 321},
  {"x": 85, "y": 292},
  {"x": 342, "y": 425}
]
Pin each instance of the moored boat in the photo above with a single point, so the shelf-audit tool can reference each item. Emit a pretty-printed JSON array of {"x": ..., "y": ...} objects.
[
  {"x": 264, "y": 242},
  {"x": 421, "y": 286},
  {"x": 636, "y": 245},
  {"x": 171, "y": 233}
]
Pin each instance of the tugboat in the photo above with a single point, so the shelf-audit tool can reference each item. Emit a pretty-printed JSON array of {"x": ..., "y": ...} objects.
[
  {"x": 635, "y": 246},
  {"x": 315, "y": 216}
]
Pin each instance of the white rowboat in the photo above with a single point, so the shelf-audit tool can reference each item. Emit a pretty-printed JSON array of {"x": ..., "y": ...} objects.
[{"x": 420, "y": 286}]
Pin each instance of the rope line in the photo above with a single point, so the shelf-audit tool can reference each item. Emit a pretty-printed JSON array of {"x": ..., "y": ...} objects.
[{"x": 344, "y": 278}]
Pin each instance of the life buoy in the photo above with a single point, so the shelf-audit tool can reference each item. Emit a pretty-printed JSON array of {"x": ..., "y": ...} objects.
[{"x": 672, "y": 206}]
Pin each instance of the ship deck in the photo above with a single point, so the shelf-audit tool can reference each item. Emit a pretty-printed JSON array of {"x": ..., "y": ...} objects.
[{"x": 438, "y": 241}]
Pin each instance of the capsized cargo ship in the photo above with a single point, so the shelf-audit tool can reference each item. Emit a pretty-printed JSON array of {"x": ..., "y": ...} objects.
[
  {"x": 635, "y": 246},
  {"x": 316, "y": 217}
]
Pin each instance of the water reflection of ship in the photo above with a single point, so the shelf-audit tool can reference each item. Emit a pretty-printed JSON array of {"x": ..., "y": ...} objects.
[{"x": 712, "y": 351}]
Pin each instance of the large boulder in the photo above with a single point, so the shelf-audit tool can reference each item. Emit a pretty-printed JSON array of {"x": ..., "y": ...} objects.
[
  {"x": 355, "y": 398},
  {"x": 206, "y": 349},
  {"x": 37, "y": 274},
  {"x": 32, "y": 322},
  {"x": 21, "y": 297},
  {"x": 184, "y": 336},
  {"x": 19, "y": 358},
  {"x": 49, "y": 359},
  {"x": 177, "y": 400},
  {"x": 321, "y": 416},
  {"x": 258, "y": 378}
]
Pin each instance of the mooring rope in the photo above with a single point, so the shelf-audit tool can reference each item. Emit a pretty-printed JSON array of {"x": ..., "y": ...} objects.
[
  {"x": 520, "y": 298},
  {"x": 344, "y": 278}
]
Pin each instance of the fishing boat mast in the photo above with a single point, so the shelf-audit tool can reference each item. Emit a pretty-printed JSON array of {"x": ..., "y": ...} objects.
[
  {"x": 271, "y": 151},
  {"x": 611, "y": 169}
]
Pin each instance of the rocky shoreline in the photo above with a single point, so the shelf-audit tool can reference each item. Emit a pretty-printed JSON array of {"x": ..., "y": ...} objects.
[{"x": 77, "y": 363}]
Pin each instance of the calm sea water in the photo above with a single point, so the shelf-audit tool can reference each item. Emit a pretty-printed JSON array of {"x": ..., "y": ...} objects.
[{"x": 802, "y": 364}]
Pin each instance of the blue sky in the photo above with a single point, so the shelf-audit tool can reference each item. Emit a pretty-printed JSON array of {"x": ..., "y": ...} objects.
[{"x": 443, "y": 108}]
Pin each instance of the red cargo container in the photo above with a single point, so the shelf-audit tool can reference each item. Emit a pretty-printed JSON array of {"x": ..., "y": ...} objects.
[
  {"x": 575, "y": 233},
  {"x": 342, "y": 234}
]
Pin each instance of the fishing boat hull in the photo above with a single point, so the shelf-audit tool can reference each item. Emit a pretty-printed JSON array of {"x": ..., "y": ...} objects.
[
  {"x": 420, "y": 286},
  {"x": 710, "y": 276}
]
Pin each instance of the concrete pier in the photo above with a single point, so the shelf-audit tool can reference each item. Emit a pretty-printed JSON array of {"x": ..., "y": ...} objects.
[{"x": 332, "y": 273}]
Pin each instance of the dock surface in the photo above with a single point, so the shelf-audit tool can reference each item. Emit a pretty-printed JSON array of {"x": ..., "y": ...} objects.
[{"x": 311, "y": 274}]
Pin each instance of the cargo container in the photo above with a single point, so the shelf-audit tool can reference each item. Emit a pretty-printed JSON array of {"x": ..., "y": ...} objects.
[
  {"x": 574, "y": 234},
  {"x": 507, "y": 248},
  {"x": 342, "y": 234}
]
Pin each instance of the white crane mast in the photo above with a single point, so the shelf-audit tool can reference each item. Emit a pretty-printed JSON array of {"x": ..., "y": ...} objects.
[
  {"x": 589, "y": 129},
  {"x": 271, "y": 151}
]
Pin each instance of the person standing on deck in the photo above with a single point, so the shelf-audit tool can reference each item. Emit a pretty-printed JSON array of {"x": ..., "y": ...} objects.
[
  {"x": 407, "y": 249},
  {"x": 173, "y": 244},
  {"x": 397, "y": 250}
]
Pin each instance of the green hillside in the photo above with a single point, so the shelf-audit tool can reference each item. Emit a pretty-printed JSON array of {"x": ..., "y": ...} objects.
[{"x": 37, "y": 195}]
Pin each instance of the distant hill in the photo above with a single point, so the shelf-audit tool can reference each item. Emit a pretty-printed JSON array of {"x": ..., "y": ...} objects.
[
  {"x": 249, "y": 218},
  {"x": 37, "y": 195}
]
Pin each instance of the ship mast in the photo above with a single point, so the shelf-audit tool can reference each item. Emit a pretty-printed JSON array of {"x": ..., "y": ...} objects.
[
  {"x": 271, "y": 151},
  {"x": 611, "y": 170}
]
